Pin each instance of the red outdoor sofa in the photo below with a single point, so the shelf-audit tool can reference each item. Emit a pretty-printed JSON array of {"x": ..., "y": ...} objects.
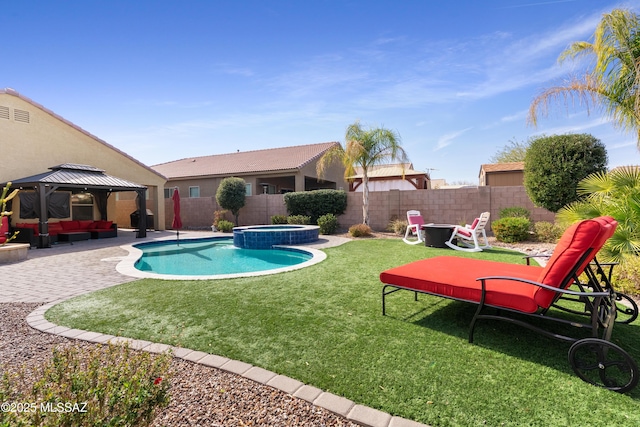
[
  {"x": 101, "y": 229},
  {"x": 515, "y": 292}
]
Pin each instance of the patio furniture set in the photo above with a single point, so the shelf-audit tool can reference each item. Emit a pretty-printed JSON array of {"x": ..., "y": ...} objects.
[
  {"x": 573, "y": 282},
  {"x": 67, "y": 231}
]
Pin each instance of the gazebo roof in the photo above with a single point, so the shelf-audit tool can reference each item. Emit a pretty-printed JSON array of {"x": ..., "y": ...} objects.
[{"x": 72, "y": 175}]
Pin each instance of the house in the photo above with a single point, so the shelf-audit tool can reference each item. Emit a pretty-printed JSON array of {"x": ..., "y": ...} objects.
[
  {"x": 390, "y": 177},
  {"x": 35, "y": 141},
  {"x": 268, "y": 171},
  {"x": 502, "y": 174}
]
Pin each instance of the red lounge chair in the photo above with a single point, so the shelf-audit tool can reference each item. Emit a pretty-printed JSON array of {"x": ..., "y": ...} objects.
[{"x": 501, "y": 290}]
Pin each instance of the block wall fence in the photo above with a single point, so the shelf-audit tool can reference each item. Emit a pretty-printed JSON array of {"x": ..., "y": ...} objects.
[{"x": 450, "y": 206}]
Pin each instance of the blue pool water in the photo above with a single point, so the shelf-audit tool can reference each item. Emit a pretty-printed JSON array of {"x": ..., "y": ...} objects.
[{"x": 213, "y": 256}]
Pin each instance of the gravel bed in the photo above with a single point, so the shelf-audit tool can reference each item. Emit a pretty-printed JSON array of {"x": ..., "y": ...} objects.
[{"x": 200, "y": 395}]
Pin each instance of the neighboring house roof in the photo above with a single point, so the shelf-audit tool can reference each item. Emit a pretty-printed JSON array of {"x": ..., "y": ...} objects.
[
  {"x": 72, "y": 175},
  {"x": 13, "y": 92},
  {"x": 245, "y": 162},
  {"x": 390, "y": 170},
  {"x": 502, "y": 167}
]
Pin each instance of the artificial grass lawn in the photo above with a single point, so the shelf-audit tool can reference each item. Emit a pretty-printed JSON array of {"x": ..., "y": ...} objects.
[{"x": 323, "y": 326}]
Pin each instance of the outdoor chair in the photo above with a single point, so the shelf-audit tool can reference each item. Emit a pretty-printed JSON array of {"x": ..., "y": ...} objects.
[
  {"x": 515, "y": 293},
  {"x": 415, "y": 223},
  {"x": 469, "y": 236}
]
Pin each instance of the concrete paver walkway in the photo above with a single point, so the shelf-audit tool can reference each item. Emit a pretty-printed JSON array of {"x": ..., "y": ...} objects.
[{"x": 53, "y": 275}]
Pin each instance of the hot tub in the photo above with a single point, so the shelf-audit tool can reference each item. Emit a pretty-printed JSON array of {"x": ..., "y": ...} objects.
[{"x": 265, "y": 236}]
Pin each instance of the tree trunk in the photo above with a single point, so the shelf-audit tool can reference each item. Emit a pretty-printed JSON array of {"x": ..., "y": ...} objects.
[{"x": 365, "y": 197}]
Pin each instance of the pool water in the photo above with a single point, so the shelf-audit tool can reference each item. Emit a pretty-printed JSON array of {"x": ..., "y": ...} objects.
[{"x": 215, "y": 256}]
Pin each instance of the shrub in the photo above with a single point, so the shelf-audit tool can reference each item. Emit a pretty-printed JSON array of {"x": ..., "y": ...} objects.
[
  {"x": 99, "y": 385},
  {"x": 511, "y": 230},
  {"x": 554, "y": 165},
  {"x": 328, "y": 224},
  {"x": 547, "y": 232},
  {"x": 316, "y": 203},
  {"x": 279, "y": 219},
  {"x": 225, "y": 226},
  {"x": 398, "y": 226},
  {"x": 360, "y": 230},
  {"x": 626, "y": 276},
  {"x": 299, "y": 219},
  {"x": 218, "y": 216},
  {"x": 515, "y": 212}
]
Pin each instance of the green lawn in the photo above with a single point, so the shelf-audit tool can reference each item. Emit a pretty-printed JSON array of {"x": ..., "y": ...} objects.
[{"x": 323, "y": 326}]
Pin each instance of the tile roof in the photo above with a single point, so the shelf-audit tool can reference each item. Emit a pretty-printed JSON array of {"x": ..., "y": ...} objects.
[
  {"x": 245, "y": 162},
  {"x": 503, "y": 167}
]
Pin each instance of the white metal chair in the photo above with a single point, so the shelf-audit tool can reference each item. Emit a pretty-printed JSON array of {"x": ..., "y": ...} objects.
[
  {"x": 469, "y": 236},
  {"x": 414, "y": 218}
]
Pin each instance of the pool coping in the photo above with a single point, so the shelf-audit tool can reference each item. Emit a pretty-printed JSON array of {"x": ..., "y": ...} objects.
[{"x": 127, "y": 264}]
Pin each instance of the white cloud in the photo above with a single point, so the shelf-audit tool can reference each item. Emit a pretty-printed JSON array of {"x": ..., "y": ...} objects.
[{"x": 446, "y": 140}]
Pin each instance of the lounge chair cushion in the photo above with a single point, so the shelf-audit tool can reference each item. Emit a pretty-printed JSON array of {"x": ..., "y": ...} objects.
[
  {"x": 573, "y": 244},
  {"x": 455, "y": 277}
]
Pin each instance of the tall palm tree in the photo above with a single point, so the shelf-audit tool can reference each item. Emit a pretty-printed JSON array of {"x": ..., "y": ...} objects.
[
  {"x": 364, "y": 148},
  {"x": 617, "y": 194},
  {"x": 612, "y": 84}
]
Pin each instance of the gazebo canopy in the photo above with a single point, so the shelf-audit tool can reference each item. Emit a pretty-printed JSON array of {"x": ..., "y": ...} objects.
[{"x": 71, "y": 175}]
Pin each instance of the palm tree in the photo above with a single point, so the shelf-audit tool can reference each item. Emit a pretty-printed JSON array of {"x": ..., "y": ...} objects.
[
  {"x": 617, "y": 194},
  {"x": 364, "y": 148},
  {"x": 612, "y": 84}
]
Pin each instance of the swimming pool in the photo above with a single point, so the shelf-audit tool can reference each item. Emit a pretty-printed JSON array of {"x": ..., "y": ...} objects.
[
  {"x": 211, "y": 258},
  {"x": 266, "y": 236}
]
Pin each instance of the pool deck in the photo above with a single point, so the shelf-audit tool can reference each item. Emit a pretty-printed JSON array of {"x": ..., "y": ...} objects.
[{"x": 50, "y": 276}]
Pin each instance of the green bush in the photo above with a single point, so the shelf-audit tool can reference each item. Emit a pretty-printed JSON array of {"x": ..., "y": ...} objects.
[
  {"x": 279, "y": 219},
  {"x": 626, "y": 276},
  {"x": 316, "y": 203},
  {"x": 515, "y": 212},
  {"x": 328, "y": 224},
  {"x": 299, "y": 219},
  {"x": 97, "y": 386},
  {"x": 225, "y": 226},
  {"x": 511, "y": 230},
  {"x": 360, "y": 230},
  {"x": 547, "y": 232},
  {"x": 398, "y": 226}
]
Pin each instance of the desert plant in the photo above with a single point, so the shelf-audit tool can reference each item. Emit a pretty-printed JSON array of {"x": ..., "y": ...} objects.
[
  {"x": 360, "y": 230},
  {"x": 225, "y": 226},
  {"x": 626, "y": 276},
  {"x": 515, "y": 212},
  {"x": 3, "y": 213},
  {"x": 547, "y": 232},
  {"x": 328, "y": 224},
  {"x": 298, "y": 219},
  {"x": 398, "y": 226},
  {"x": 231, "y": 195},
  {"x": 278, "y": 219},
  {"x": 511, "y": 229},
  {"x": 218, "y": 216},
  {"x": 89, "y": 386}
]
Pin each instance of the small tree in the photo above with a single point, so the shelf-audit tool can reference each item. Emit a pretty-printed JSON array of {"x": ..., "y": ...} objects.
[
  {"x": 513, "y": 152},
  {"x": 554, "y": 165},
  {"x": 231, "y": 195}
]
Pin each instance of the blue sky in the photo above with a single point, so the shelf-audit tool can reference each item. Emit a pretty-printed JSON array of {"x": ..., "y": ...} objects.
[{"x": 164, "y": 80}]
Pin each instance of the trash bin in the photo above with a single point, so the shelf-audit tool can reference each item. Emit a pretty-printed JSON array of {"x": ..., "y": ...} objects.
[{"x": 135, "y": 219}]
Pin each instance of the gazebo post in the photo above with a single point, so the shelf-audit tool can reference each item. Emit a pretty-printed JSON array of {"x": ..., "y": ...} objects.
[
  {"x": 43, "y": 239},
  {"x": 142, "y": 222}
]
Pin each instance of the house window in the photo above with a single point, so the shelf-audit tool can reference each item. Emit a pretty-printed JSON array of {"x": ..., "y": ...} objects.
[
  {"x": 247, "y": 189},
  {"x": 194, "y": 192},
  {"x": 82, "y": 206},
  {"x": 168, "y": 193}
]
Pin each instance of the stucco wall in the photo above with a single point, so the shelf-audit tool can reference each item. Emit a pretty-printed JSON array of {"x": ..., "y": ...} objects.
[
  {"x": 48, "y": 140},
  {"x": 452, "y": 206}
]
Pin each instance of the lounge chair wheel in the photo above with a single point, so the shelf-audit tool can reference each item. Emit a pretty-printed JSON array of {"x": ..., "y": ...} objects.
[
  {"x": 604, "y": 364},
  {"x": 627, "y": 310}
]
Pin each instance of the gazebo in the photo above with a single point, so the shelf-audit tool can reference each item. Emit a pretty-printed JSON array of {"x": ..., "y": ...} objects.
[{"x": 74, "y": 177}]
